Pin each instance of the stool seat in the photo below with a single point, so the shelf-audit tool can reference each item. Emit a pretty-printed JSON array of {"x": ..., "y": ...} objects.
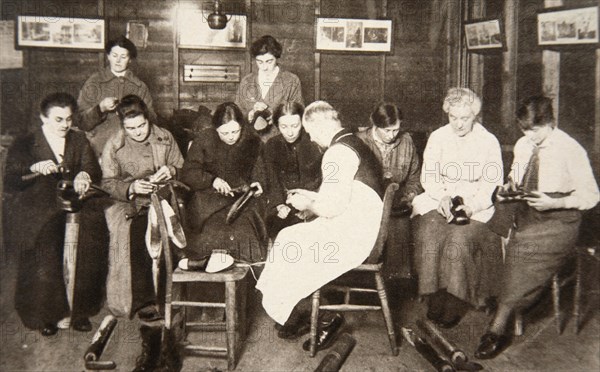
[{"x": 232, "y": 274}]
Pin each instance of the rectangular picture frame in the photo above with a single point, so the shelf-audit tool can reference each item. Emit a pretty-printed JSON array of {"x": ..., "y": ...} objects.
[
  {"x": 575, "y": 26},
  {"x": 137, "y": 32},
  {"x": 484, "y": 35},
  {"x": 60, "y": 32},
  {"x": 194, "y": 33},
  {"x": 354, "y": 35}
]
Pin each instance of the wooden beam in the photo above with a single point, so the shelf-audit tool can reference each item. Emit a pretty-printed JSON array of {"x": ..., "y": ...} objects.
[
  {"x": 317, "y": 56},
  {"x": 101, "y": 15},
  {"x": 382, "y": 75},
  {"x": 551, "y": 68},
  {"x": 475, "y": 65},
  {"x": 509, "y": 63},
  {"x": 596, "y": 149},
  {"x": 175, "y": 49}
]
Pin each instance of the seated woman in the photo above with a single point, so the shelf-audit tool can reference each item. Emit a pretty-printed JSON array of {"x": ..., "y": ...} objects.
[
  {"x": 35, "y": 164},
  {"x": 555, "y": 172},
  {"x": 292, "y": 161},
  {"x": 137, "y": 157},
  {"x": 456, "y": 262},
  {"x": 218, "y": 165},
  {"x": 399, "y": 161},
  {"x": 348, "y": 208}
]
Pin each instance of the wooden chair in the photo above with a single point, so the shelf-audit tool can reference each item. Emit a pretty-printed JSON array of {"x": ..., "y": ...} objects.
[
  {"x": 373, "y": 264},
  {"x": 234, "y": 305}
]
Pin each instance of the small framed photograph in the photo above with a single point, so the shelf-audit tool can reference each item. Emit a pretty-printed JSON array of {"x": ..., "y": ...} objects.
[
  {"x": 59, "y": 32},
  {"x": 568, "y": 27},
  {"x": 354, "y": 35},
  {"x": 194, "y": 32},
  {"x": 484, "y": 35},
  {"x": 137, "y": 32}
]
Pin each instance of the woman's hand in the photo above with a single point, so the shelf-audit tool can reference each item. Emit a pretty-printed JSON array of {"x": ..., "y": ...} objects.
[
  {"x": 283, "y": 211},
  {"x": 141, "y": 187},
  {"x": 45, "y": 167},
  {"x": 108, "y": 104},
  {"x": 222, "y": 187},
  {"x": 259, "y": 188},
  {"x": 82, "y": 182},
  {"x": 163, "y": 174},
  {"x": 444, "y": 208},
  {"x": 301, "y": 199},
  {"x": 543, "y": 202}
]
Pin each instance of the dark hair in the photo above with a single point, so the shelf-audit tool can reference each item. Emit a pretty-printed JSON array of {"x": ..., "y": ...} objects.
[
  {"x": 385, "y": 115},
  {"x": 287, "y": 108},
  {"x": 60, "y": 99},
  {"x": 227, "y": 112},
  {"x": 535, "y": 111},
  {"x": 264, "y": 45},
  {"x": 124, "y": 43},
  {"x": 131, "y": 106}
]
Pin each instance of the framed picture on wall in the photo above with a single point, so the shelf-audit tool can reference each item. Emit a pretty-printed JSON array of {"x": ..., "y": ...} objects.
[
  {"x": 568, "y": 27},
  {"x": 194, "y": 33},
  {"x": 137, "y": 32},
  {"x": 484, "y": 35},
  {"x": 59, "y": 32},
  {"x": 354, "y": 35}
]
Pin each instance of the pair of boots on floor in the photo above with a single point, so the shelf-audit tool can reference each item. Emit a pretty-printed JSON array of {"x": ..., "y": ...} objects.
[
  {"x": 299, "y": 324},
  {"x": 446, "y": 310}
]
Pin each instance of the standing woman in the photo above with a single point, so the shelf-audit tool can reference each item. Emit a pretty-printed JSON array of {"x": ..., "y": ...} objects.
[
  {"x": 224, "y": 160},
  {"x": 261, "y": 91},
  {"x": 102, "y": 92},
  {"x": 35, "y": 164},
  {"x": 292, "y": 161},
  {"x": 555, "y": 170},
  {"x": 461, "y": 159}
]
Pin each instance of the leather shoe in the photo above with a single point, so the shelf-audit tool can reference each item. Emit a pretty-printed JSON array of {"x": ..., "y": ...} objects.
[
  {"x": 448, "y": 323},
  {"x": 82, "y": 325},
  {"x": 327, "y": 334},
  {"x": 49, "y": 330},
  {"x": 490, "y": 345}
]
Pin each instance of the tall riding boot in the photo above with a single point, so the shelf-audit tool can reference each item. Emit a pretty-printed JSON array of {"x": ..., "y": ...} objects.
[{"x": 148, "y": 359}]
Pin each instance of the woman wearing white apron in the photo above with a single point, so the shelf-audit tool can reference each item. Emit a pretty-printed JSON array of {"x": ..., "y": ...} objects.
[{"x": 348, "y": 209}]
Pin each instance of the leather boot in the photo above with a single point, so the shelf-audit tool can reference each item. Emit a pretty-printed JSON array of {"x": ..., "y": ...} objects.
[
  {"x": 148, "y": 358},
  {"x": 170, "y": 357}
]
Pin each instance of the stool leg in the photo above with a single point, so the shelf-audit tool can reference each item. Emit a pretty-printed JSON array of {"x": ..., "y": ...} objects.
[
  {"x": 314, "y": 320},
  {"x": 387, "y": 314},
  {"x": 556, "y": 302},
  {"x": 577, "y": 295},
  {"x": 518, "y": 323},
  {"x": 231, "y": 321}
]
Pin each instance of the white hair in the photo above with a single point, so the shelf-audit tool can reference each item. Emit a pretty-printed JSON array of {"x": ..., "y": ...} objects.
[{"x": 463, "y": 97}]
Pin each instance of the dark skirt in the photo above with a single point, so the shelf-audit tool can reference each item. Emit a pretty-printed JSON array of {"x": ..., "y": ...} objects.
[
  {"x": 537, "y": 249},
  {"x": 245, "y": 238},
  {"x": 464, "y": 260},
  {"x": 40, "y": 296}
]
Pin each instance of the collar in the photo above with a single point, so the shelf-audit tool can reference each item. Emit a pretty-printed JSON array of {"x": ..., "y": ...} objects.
[
  {"x": 274, "y": 75},
  {"x": 156, "y": 137},
  {"x": 548, "y": 141},
  {"x": 342, "y": 133},
  {"x": 380, "y": 143}
]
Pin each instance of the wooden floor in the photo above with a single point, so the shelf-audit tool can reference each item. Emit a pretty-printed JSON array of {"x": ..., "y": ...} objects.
[{"x": 540, "y": 348}]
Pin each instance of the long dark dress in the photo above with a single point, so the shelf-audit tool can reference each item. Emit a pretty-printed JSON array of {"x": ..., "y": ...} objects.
[
  {"x": 40, "y": 296},
  {"x": 238, "y": 164},
  {"x": 289, "y": 166}
]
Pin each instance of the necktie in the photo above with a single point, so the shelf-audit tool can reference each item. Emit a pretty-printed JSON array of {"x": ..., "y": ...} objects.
[{"x": 530, "y": 179}]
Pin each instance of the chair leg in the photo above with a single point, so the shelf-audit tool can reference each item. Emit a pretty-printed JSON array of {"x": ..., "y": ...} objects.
[
  {"x": 387, "y": 314},
  {"x": 577, "y": 295},
  {"x": 231, "y": 320},
  {"x": 556, "y": 302},
  {"x": 314, "y": 321}
]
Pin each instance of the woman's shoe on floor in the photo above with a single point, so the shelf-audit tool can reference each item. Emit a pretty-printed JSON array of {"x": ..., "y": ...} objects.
[
  {"x": 327, "y": 334},
  {"x": 82, "y": 325},
  {"x": 490, "y": 345},
  {"x": 49, "y": 330}
]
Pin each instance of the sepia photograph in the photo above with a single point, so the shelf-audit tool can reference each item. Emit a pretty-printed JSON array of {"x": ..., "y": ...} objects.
[
  {"x": 306, "y": 185},
  {"x": 57, "y": 32},
  {"x": 569, "y": 27}
]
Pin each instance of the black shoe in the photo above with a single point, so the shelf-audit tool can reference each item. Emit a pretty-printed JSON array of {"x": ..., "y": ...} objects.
[
  {"x": 448, "y": 323},
  {"x": 491, "y": 345},
  {"x": 296, "y": 329},
  {"x": 149, "y": 314},
  {"x": 150, "y": 355},
  {"x": 49, "y": 330},
  {"x": 82, "y": 325},
  {"x": 327, "y": 334}
]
